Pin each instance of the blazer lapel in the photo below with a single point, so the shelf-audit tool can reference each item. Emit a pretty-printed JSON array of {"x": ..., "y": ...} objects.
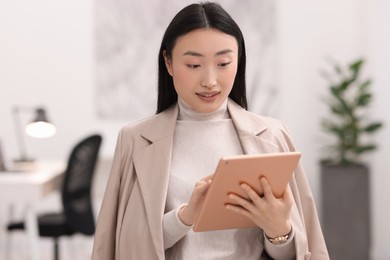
[
  {"x": 152, "y": 164},
  {"x": 249, "y": 129}
]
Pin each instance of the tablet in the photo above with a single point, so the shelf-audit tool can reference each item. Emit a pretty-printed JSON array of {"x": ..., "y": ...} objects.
[{"x": 230, "y": 173}]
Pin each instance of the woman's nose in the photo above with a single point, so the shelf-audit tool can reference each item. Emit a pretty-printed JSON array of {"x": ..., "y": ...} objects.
[{"x": 209, "y": 78}]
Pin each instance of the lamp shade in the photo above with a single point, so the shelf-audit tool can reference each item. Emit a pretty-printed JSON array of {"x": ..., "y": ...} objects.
[{"x": 40, "y": 127}]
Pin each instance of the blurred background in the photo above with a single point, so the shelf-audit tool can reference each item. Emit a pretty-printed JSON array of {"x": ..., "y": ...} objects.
[{"x": 92, "y": 66}]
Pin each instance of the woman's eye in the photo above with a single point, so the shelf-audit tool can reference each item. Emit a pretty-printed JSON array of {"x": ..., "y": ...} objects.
[
  {"x": 193, "y": 66},
  {"x": 224, "y": 64}
]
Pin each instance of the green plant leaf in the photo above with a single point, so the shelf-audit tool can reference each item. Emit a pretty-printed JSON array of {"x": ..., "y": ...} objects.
[
  {"x": 337, "y": 110},
  {"x": 363, "y": 99},
  {"x": 345, "y": 85},
  {"x": 365, "y": 148},
  {"x": 336, "y": 91},
  {"x": 355, "y": 67},
  {"x": 373, "y": 127},
  {"x": 363, "y": 86}
]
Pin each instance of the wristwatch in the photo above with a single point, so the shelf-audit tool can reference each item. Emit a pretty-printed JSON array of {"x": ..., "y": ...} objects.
[{"x": 279, "y": 240}]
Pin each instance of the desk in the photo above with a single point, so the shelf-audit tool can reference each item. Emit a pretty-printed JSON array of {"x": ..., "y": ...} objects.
[{"x": 28, "y": 188}]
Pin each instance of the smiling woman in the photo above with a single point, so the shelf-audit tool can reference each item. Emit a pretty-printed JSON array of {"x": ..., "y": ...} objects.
[
  {"x": 204, "y": 63},
  {"x": 162, "y": 165}
]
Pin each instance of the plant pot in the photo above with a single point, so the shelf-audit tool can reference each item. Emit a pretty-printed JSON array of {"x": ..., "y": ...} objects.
[{"x": 346, "y": 211}]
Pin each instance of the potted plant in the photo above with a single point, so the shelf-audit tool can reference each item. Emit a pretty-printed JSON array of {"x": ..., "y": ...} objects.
[{"x": 344, "y": 175}]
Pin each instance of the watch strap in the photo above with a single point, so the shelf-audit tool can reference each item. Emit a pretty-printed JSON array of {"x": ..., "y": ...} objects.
[{"x": 280, "y": 239}]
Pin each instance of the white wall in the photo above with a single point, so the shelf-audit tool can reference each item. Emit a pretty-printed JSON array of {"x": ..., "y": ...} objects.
[
  {"x": 46, "y": 50},
  {"x": 379, "y": 50}
]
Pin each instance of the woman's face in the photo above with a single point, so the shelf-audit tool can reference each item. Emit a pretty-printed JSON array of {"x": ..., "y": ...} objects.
[{"x": 203, "y": 67}]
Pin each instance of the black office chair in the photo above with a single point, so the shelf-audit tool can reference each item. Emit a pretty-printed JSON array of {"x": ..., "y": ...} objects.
[{"x": 77, "y": 215}]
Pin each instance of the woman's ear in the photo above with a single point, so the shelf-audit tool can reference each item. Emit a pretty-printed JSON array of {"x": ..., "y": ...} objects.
[{"x": 168, "y": 63}]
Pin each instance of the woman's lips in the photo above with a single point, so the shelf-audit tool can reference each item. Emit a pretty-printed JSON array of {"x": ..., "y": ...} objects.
[{"x": 208, "y": 96}]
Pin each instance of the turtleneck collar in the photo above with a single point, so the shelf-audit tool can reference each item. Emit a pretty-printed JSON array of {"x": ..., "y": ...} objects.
[{"x": 186, "y": 113}]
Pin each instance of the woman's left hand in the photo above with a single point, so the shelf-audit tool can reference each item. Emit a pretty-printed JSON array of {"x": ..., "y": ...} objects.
[{"x": 268, "y": 212}]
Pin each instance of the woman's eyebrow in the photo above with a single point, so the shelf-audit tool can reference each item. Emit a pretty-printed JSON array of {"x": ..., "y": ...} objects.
[
  {"x": 192, "y": 53},
  {"x": 197, "y": 54},
  {"x": 223, "y": 52}
]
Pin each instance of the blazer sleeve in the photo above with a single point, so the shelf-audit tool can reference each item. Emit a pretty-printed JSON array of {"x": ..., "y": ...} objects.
[
  {"x": 311, "y": 235},
  {"x": 105, "y": 234}
]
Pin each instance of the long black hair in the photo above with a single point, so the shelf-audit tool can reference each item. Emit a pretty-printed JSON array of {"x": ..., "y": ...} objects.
[{"x": 193, "y": 17}]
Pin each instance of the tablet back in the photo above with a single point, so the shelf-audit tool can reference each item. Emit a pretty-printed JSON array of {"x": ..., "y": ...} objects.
[{"x": 230, "y": 173}]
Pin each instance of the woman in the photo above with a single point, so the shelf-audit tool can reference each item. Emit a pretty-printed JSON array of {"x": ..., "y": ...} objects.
[{"x": 162, "y": 165}]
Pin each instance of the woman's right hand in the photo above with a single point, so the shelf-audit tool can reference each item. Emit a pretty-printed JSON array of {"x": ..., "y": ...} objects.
[{"x": 188, "y": 213}]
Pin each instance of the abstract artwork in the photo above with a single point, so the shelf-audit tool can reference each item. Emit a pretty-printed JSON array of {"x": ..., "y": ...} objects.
[{"x": 127, "y": 39}]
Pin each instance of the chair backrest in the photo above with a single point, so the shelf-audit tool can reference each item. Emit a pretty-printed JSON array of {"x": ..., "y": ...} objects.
[{"x": 77, "y": 184}]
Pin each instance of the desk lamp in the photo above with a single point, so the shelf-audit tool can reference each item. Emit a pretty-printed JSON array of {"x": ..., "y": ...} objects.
[{"x": 40, "y": 127}]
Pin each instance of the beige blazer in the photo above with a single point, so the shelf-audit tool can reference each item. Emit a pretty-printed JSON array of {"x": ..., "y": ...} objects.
[{"x": 129, "y": 225}]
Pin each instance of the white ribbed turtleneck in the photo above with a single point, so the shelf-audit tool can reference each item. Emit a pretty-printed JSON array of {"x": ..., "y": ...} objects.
[
  {"x": 186, "y": 113},
  {"x": 200, "y": 140}
]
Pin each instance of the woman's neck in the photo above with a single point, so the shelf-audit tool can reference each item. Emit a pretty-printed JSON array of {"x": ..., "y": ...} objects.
[{"x": 187, "y": 113}]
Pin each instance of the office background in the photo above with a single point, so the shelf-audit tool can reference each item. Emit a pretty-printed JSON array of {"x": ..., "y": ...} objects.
[{"x": 47, "y": 57}]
